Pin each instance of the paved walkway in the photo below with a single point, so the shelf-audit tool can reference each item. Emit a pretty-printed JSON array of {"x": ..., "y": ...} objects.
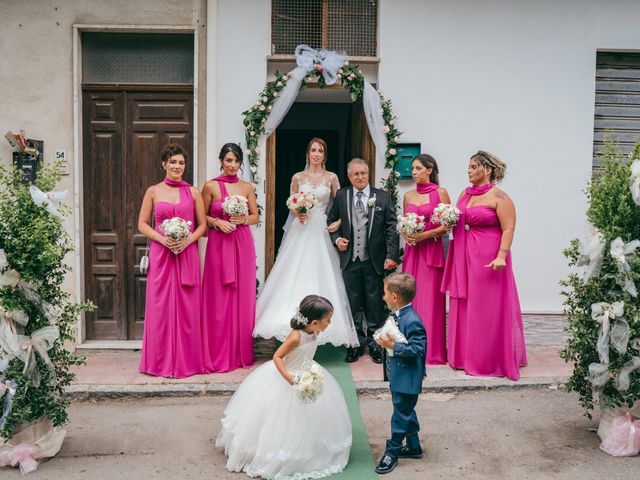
[{"x": 115, "y": 373}]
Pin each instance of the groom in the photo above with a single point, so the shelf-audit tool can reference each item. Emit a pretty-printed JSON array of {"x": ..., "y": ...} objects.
[{"x": 368, "y": 244}]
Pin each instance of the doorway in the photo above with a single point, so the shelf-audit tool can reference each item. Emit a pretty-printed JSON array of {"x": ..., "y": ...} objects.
[
  {"x": 124, "y": 133},
  {"x": 341, "y": 125}
]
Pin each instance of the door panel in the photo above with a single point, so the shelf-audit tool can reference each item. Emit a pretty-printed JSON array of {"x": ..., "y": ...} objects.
[
  {"x": 103, "y": 213},
  {"x": 124, "y": 133}
]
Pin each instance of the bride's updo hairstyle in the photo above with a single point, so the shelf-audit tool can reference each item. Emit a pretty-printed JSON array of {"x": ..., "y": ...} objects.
[
  {"x": 428, "y": 161},
  {"x": 312, "y": 307},
  {"x": 324, "y": 147},
  {"x": 498, "y": 167},
  {"x": 233, "y": 148}
]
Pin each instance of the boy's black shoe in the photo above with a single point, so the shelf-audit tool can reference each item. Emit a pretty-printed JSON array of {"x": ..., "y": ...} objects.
[
  {"x": 386, "y": 465},
  {"x": 407, "y": 452},
  {"x": 352, "y": 355}
]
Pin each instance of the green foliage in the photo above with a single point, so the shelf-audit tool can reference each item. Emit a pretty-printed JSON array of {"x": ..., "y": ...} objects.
[
  {"x": 352, "y": 79},
  {"x": 613, "y": 212},
  {"x": 35, "y": 244}
]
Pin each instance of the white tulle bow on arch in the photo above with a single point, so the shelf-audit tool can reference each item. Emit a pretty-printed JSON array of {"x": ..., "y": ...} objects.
[{"x": 326, "y": 62}]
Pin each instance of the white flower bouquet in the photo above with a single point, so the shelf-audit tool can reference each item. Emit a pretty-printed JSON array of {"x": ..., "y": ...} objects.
[
  {"x": 390, "y": 329},
  {"x": 410, "y": 223},
  {"x": 445, "y": 214},
  {"x": 309, "y": 382},
  {"x": 176, "y": 228},
  {"x": 235, "y": 205}
]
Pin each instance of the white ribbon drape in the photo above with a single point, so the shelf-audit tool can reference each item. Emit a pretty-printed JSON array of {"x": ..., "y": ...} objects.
[
  {"x": 49, "y": 200},
  {"x": 591, "y": 253},
  {"x": 634, "y": 181},
  {"x": 604, "y": 313},
  {"x": 330, "y": 62},
  {"x": 621, "y": 253},
  {"x": 40, "y": 342}
]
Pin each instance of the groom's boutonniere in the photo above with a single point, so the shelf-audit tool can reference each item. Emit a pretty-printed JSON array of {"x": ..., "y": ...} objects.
[{"x": 371, "y": 202}]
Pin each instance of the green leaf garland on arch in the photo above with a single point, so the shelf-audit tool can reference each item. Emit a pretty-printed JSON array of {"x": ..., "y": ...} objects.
[{"x": 351, "y": 78}]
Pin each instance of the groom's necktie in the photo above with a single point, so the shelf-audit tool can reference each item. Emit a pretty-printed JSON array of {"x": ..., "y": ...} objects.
[
  {"x": 359, "y": 204},
  {"x": 360, "y": 229}
]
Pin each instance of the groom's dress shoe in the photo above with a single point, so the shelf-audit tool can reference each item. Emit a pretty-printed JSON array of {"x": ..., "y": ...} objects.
[
  {"x": 407, "y": 452},
  {"x": 386, "y": 465},
  {"x": 352, "y": 355},
  {"x": 376, "y": 354}
]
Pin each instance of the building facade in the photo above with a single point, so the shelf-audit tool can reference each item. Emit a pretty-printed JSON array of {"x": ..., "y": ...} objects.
[{"x": 105, "y": 84}]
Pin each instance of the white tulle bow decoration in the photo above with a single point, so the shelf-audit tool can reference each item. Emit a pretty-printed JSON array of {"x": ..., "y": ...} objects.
[
  {"x": 9, "y": 277},
  {"x": 604, "y": 313},
  {"x": 621, "y": 253},
  {"x": 326, "y": 62},
  {"x": 40, "y": 342},
  {"x": 634, "y": 181},
  {"x": 49, "y": 200},
  {"x": 591, "y": 253}
]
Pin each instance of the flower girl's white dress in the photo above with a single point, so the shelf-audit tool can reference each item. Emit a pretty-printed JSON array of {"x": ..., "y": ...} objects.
[{"x": 267, "y": 431}]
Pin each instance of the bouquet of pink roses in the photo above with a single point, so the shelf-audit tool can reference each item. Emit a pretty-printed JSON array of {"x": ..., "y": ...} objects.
[{"x": 301, "y": 202}]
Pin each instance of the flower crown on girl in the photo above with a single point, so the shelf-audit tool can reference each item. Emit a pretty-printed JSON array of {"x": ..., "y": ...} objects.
[{"x": 300, "y": 318}]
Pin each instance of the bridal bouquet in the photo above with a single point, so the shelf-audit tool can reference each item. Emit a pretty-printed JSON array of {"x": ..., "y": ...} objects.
[
  {"x": 301, "y": 202},
  {"x": 176, "y": 228},
  {"x": 410, "y": 223},
  {"x": 390, "y": 329},
  {"x": 445, "y": 214},
  {"x": 235, "y": 205},
  {"x": 309, "y": 382}
]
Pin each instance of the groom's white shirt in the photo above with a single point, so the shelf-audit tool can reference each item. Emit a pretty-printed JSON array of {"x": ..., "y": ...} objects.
[{"x": 366, "y": 191}]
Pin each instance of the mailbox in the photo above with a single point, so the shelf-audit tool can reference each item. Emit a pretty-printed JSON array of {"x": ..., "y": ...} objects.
[
  {"x": 29, "y": 163},
  {"x": 406, "y": 153}
]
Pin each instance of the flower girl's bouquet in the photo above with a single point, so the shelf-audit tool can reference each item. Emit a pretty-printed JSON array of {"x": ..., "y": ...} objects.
[
  {"x": 410, "y": 223},
  {"x": 390, "y": 329},
  {"x": 445, "y": 214},
  {"x": 309, "y": 382},
  {"x": 176, "y": 228},
  {"x": 301, "y": 202},
  {"x": 235, "y": 205}
]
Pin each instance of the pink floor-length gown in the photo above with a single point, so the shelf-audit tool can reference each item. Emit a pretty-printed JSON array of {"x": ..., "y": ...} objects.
[
  {"x": 425, "y": 262},
  {"x": 172, "y": 341},
  {"x": 228, "y": 295},
  {"x": 485, "y": 322}
]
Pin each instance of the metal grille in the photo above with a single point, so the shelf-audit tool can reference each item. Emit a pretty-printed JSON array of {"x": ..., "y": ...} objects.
[
  {"x": 341, "y": 25},
  {"x": 147, "y": 58},
  {"x": 617, "y": 109}
]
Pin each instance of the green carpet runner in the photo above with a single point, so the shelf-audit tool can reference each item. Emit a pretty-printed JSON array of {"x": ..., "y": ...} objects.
[{"x": 361, "y": 462}]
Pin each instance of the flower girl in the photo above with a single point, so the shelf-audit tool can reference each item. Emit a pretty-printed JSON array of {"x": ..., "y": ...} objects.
[{"x": 289, "y": 419}]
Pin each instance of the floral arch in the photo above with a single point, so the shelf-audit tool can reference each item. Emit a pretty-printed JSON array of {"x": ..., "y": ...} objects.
[{"x": 327, "y": 68}]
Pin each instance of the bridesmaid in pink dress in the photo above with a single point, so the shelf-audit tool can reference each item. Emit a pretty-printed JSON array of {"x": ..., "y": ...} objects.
[
  {"x": 229, "y": 283},
  {"x": 485, "y": 323},
  {"x": 172, "y": 341},
  {"x": 424, "y": 255}
]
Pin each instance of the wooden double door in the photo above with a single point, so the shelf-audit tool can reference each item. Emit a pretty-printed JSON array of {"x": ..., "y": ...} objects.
[{"x": 124, "y": 131}]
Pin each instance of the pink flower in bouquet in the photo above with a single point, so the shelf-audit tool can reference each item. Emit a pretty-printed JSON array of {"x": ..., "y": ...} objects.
[{"x": 318, "y": 68}]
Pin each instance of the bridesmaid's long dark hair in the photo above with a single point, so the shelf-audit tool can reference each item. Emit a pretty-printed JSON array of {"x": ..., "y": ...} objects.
[{"x": 428, "y": 161}]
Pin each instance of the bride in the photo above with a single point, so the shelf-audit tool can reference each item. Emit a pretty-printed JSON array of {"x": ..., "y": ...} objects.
[{"x": 307, "y": 262}]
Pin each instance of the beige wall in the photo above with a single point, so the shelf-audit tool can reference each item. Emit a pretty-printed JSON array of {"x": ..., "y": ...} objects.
[{"x": 37, "y": 75}]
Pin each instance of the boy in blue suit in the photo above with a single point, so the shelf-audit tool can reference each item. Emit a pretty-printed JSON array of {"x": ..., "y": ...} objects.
[{"x": 405, "y": 371}]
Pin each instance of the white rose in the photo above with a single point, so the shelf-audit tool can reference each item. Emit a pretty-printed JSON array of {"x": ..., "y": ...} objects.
[
  {"x": 275, "y": 94},
  {"x": 261, "y": 107},
  {"x": 265, "y": 99},
  {"x": 253, "y": 169},
  {"x": 252, "y": 133},
  {"x": 392, "y": 151},
  {"x": 248, "y": 151},
  {"x": 269, "y": 107},
  {"x": 385, "y": 129},
  {"x": 396, "y": 139},
  {"x": 279, "y": 84}
]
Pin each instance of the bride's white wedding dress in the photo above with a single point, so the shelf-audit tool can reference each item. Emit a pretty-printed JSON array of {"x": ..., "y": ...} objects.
[
  {"x": 307, "y": 264},
  {"x": 268, "y": 432}
]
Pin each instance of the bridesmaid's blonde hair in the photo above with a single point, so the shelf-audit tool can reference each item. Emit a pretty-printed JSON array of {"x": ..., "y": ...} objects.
[{"x": 498, "y": 167}]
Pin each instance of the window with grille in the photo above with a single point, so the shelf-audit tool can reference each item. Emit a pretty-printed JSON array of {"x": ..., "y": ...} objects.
[
  {"x": 617, "y": 112},
  {"x": 348, "y": 26}
]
